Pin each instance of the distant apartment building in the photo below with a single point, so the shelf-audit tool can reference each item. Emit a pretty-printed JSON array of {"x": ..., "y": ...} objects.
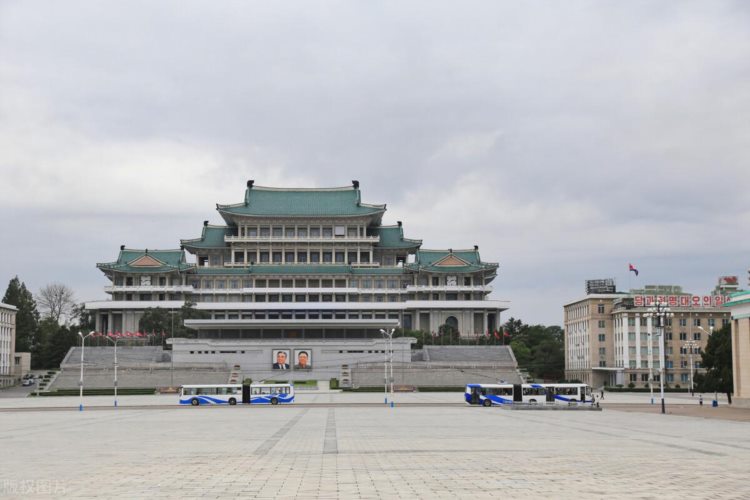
[
  {"x": 611, "y": 339},
  {"x": 7, "y": 344}
]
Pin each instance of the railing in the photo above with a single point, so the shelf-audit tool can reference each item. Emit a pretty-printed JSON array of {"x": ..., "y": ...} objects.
[
  {"x": 448, "y": 288},
  {"x": 307, "y": 239},
  {"x": 148, "y": 288}
]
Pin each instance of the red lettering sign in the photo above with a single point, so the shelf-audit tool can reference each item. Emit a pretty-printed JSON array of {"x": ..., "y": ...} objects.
[
  {"x": 638, "y": 301},
  {"x": 672, "y": 301},
  {"x": 685, "y": 300},
  {"x": 696, "y": 301}
]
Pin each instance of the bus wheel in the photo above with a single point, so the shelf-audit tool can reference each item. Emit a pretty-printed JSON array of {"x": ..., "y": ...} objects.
[
  {"x": 487, "y": 402},
  {"x": 232, "y": 401},
  {"x": 195, "y": 402},
  {"x": 274, "y": 401}
]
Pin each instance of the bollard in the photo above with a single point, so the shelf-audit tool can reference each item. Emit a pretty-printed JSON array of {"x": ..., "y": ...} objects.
[{"x": 391, "y": 404}]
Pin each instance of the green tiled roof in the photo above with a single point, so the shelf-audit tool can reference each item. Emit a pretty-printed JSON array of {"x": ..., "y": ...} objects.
[
  {"x": 393, "y": 237},
  {"x": 170, "y": 261},
  {"x": 211, "y": 237},
  {"x": 319, "y": 202},
  {"x": 426, "y": 260}
]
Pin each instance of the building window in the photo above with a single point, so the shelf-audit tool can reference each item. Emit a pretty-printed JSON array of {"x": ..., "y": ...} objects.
[
  {"x": 602, "y": 351},
  {"x": 602, "y": 323},
  {"x": 697, "y": 336},
  {"x": 683, "y": 321},
  {"x": 264, "y": 256},
  {"x": 683, "y": 336},
  {"x": 277, "y": 257},
  {"x": 668, "y": 335},
  {"x": 339, "y": 231},
  {"x": 684, "y": 377},
  {"x": 633, "y": 377},
  {"x": 600, "y": 308},
  {"x": 289, "y": 232},
  {"x": 696, "y": 322},
  {"x": 327, "y": 232},
  {"x": 602, "y": 337},
  {"x": 435, "y": 281},
  {"x": 265, "y": 232},
  {"x": 340, "y": 257},
  {"x": 327, "y": 257}
]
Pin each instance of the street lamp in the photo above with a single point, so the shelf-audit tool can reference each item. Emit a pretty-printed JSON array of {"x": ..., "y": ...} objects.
[
  {"x": 689, "y": 346},
  {"x": 716, "y": 390},
  {"x": 660, "y": 312},
  {"x": 115, "y": 341},
  {"x": 388, "y": 335},
  {"x": 80, "y": 381}
]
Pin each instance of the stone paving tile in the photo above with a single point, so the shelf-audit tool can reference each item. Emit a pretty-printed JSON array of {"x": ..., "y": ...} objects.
[{"x": 343, "y": 453}]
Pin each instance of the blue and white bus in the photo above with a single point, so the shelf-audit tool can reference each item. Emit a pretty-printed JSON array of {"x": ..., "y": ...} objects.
[
  {"x": 503, "y": 394},
  {"x": 211, "y": 394},
  {"x": 271, "y": 394},
  {"x": 231, "y": 394}
]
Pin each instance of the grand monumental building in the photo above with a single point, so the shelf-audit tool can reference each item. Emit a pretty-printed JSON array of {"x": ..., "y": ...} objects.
[{"x": 300, "y": 270}]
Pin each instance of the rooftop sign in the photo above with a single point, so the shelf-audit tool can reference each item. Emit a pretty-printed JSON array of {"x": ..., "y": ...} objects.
[
  {"x": 600, "y": 286},
  {"x": 680, "y": 300}
]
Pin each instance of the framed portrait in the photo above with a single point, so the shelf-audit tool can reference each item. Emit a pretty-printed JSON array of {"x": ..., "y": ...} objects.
[
  {"x": 303, "y": 359},
  {"x": 280, "y": 359}
]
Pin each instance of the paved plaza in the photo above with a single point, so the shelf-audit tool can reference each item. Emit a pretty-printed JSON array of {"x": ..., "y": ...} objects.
[{"x": 338, "y": 446}]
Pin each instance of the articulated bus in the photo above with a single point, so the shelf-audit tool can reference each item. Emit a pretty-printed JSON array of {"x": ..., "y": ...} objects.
[
  {"x": 503, "y": 394},
  {"x": 231, "y": 394}
]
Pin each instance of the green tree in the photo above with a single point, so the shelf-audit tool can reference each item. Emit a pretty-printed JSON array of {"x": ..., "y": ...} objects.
[
  {"x": 27, "y": 318},
  {"x": 522, "y": 353},
  {"x": 85, "y": 319},
  {"x": 717, "y": 360},
  {"x": 55, "y": 342}
]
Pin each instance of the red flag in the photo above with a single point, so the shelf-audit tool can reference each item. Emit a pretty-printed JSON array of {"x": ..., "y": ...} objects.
[{"x": 505, "y": 332}]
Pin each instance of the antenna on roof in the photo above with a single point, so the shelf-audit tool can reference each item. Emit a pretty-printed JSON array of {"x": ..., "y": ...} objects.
[
  {"x": 122, "y": 247},
  {"x": 250, "y": 183},
  {"x": 450, "y": 250},
  {"x": 399, "y": 223},
  {"x": 476, "y": 248},
  {"x": 205, "y": 223},
  {"x": 355, "y": 184}
]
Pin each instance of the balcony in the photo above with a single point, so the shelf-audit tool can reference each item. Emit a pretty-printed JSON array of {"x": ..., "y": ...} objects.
[
  {"x": 449, "y": 288},
  {"x": 149, "y": 288},
  {"x": 307, "y": 239}
]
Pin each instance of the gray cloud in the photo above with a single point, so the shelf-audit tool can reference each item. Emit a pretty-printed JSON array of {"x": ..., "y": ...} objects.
[{"x": 565, "y": 139}]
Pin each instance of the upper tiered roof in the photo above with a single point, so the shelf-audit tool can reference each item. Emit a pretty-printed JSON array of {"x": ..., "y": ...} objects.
[
  {"x": 211, "y": 237},
  {"x": 393, "y": 237},
  {"x": 450, "y": 261},
  {"x": 147, "y": 261},
  {"x": 300, "y": 202}
]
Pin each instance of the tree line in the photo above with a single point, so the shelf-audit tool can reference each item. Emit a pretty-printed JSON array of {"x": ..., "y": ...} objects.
[
  {"x": 538, "y": 348},
  {"x": 47, "y": 325}
]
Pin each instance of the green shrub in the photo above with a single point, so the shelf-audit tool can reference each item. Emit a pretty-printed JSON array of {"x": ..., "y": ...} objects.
[{"x": 334, "y": 383}]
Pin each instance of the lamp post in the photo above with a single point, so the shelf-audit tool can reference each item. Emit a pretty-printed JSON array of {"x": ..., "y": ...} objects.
[
  {"x": 115, "y": 341},
  {"x": 388, "y": 336},
  {"x": 660, "y": 312},
  {"x": 689, "y": 346},
  {"x": 80, "y": 381},
  {"x": 716, "y": 390}
]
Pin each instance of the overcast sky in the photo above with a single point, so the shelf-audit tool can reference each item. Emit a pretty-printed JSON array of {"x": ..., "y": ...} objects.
[{"x": 566, "y": 139}]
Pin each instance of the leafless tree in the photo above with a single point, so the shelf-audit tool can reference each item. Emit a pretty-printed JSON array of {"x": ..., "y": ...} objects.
[{"x": 56, "y": 301}]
